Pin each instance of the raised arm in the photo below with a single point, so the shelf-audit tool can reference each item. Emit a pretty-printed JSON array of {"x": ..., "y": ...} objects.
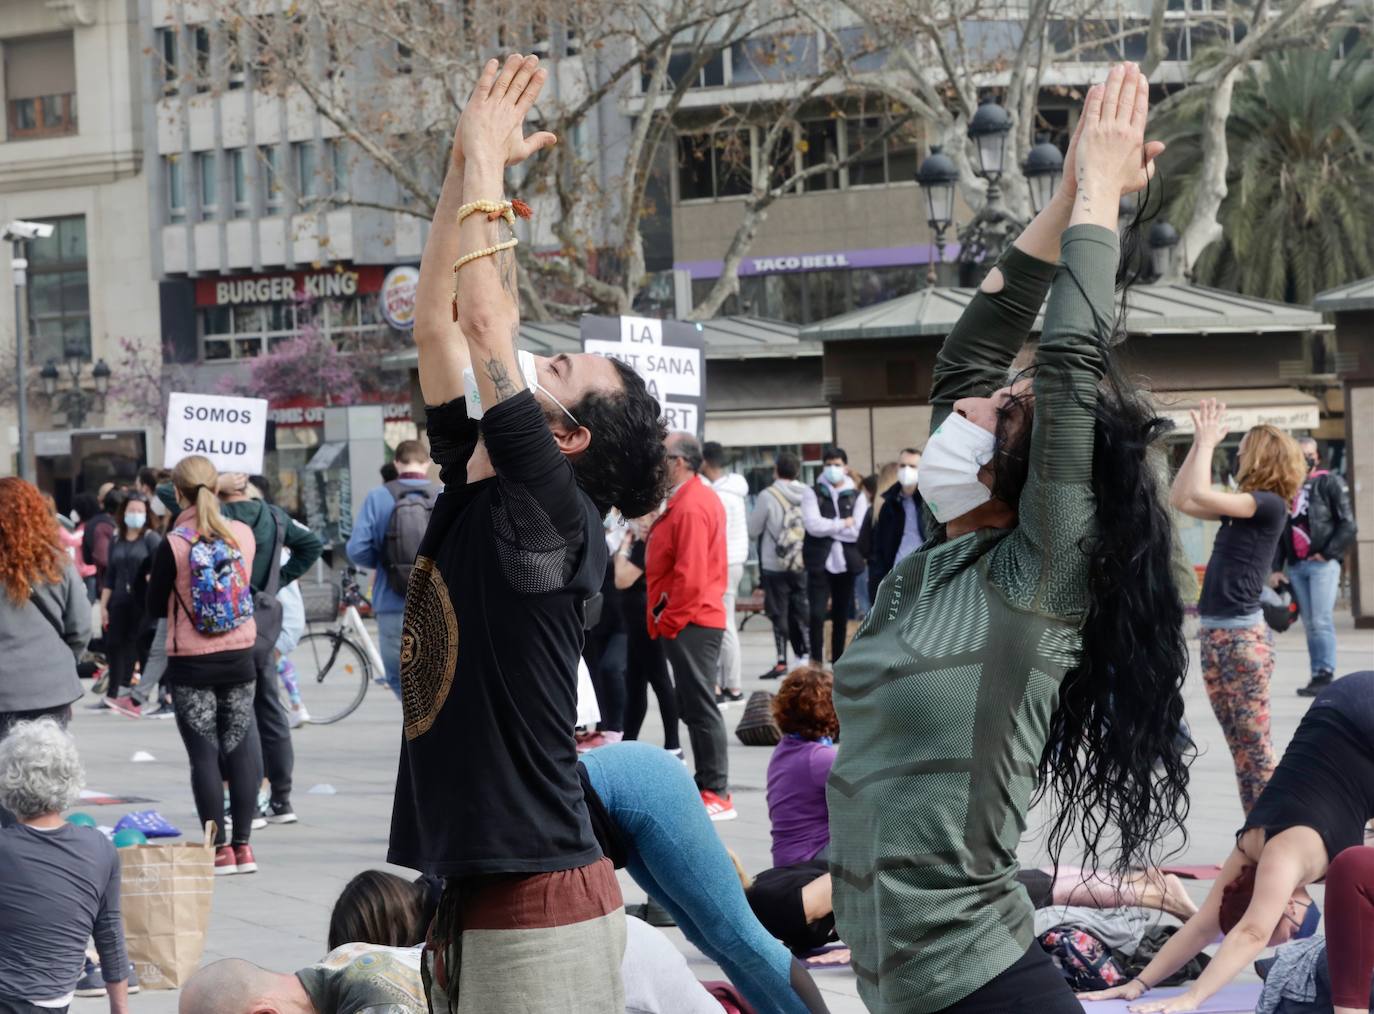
[
  {"x": 1192, "y": 491},
  {"x": 491, "y": 132}
]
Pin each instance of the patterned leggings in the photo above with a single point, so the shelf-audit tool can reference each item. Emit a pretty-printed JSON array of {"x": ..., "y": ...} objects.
[
  {"x": 1236, "y": 668},
  {"x": 215, "y": 720}
]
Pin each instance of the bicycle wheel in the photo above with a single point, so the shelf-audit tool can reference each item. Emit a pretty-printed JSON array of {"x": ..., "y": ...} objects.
[{"x": 332, "y": 674}]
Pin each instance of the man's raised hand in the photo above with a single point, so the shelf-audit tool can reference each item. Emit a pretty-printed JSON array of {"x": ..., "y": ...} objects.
[{"x": 492, "y": 126}]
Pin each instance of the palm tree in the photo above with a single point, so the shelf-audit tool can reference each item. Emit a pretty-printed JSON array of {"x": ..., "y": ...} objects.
[{"x": 1297, "y": 217}]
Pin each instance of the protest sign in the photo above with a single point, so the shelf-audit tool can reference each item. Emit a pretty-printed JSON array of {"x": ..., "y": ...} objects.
[
  {"x": 668, "y": 354},
  {"x": 231, "y": 432}
]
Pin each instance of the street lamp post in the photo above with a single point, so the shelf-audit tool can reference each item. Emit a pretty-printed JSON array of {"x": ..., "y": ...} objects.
[
  {"x": 1163, "y": 240},
  {"x": 75, "y": 403},
  {"x": 1044, "y": 167},
  {"x": 983, "y": 241},
  {"x": 937, "y": 177},
  {"x": 19, "y": 233}
]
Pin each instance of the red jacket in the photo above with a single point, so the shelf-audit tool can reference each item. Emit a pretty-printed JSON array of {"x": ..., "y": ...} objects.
[{"x": 685, "y": 566}]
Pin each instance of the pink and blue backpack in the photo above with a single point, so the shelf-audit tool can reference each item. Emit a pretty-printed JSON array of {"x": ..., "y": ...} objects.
[{"x": 221, "y": 595}]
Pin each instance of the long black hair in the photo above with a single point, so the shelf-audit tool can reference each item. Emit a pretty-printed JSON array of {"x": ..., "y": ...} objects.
[{"x": 1115, "y": 764}]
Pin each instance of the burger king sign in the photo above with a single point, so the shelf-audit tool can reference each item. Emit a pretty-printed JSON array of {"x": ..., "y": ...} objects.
[{"x": 398, "y": 296}]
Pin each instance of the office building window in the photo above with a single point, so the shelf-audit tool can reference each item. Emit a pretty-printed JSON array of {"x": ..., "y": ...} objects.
[
  {"x": 352, "y": 323},
  {"x": 818, "y": 142},
  {"x": 307, "y": 171},
  {"x": 806, "y": 296},
  {"x": 200, "y": 39},
  {"x": 175, "y": 178},
  {"x": 270, "y": 175},
  {"x": 40, "y": 86},
  {"x": 714, "y": 164},
  {"x": 238, "y": 174},
  {"x": 233, "y": 54},
  {"x": 337, "y": 149},
  {"x": 167, "y": 56},
  {"x": 59, "y": 310},
  {"x": 207, "y": 178},
  {"x": 884, "y": 159}
]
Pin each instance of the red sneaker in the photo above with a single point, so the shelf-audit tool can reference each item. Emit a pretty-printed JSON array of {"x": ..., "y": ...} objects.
[
  {"x": 243, "y": 856},
  {"x": 717, "y": 808},
  {"x": 225, "y": 862},
  {"x": 126, "y": 707}
]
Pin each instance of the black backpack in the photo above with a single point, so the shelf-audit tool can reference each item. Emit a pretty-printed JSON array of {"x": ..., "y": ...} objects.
[{"x": 405, "y": 530}]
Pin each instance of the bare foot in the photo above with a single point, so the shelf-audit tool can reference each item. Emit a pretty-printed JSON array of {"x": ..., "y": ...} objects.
[{"x": 1176, "y": 900}]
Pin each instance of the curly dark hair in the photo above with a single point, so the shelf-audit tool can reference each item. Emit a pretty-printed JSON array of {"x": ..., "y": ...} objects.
[
  {"x": 624, "y": 466},
  {"x": 803, "y": 705},
  {"x": 1116, "y": 759}
]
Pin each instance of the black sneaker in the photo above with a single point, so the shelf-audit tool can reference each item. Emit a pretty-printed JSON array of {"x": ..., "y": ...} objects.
[
  {"x": 777, "y": 672},
  {"x": 733, "y": 695},
  {"x": 1320, "y": 681},
  {"x": 280, "y": 813}
]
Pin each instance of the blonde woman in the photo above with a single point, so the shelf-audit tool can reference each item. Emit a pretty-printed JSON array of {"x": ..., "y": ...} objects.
[
  {"x": 1237, "y": 645},
  {"x": 200, "y": 583}
]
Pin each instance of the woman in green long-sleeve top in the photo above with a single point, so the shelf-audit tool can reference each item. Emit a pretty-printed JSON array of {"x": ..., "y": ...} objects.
[{"x": 1037, "y": 641}]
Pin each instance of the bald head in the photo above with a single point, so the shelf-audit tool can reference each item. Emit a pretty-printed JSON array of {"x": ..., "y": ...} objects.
[
  {"x": 233, "y": 986},
  {"x": 685, "y": 447}
]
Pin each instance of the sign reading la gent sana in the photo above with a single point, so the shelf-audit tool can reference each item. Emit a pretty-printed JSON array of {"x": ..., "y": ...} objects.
[{"x": 231, "y": 432}]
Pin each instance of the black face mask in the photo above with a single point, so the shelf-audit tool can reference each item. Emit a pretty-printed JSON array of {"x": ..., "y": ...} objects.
[{"x": 1313, "y": 461}]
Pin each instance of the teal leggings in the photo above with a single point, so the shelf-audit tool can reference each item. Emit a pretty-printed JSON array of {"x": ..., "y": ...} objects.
[{"x": 676, "y": 856}]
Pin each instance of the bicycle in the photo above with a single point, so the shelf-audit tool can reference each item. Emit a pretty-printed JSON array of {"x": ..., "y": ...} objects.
[{"x": 334, "y": 667}]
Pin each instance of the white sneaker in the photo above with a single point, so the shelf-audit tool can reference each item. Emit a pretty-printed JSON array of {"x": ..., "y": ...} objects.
[{"x": 299, "y": 717}]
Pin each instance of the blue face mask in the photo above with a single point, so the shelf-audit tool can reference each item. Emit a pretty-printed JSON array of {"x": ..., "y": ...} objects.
[{"x": 135, "y": 522}]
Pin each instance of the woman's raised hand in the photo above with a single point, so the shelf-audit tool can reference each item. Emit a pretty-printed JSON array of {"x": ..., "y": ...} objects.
[
  {"x": 491, "y": 129},
  {"x": 1209, "y": 423},
  {"x": 1110, "y": 157}
]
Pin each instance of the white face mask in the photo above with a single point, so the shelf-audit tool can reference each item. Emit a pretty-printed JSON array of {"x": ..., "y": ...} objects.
[
  {"x": 834, "y": 474},
  {"x": 953, "y": 456},
  {"x": 528, "y": 370},
  {"x": 907, "y": 475},
  {"x": 135, "y": 522}
]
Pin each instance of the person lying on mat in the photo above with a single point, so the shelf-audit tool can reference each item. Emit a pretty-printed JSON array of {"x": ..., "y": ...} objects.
[
  {"x": 1307, "y": 825},
  {"x": 794, "y": 902}
]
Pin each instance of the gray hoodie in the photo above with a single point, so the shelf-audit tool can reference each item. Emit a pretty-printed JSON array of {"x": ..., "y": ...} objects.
[
  {"x": 40, "y": 642},
  {"x": 765, "y": 522}
]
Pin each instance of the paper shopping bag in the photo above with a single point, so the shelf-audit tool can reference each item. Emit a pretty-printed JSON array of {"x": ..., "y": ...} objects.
[{"x": 166, "y": 893}]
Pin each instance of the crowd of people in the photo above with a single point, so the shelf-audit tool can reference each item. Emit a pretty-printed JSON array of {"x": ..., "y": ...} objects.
[{"x": 1023, "y": 640}]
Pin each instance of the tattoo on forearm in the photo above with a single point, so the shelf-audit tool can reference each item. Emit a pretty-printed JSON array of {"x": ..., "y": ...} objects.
[
  {"x": 500, "y": 379},
  {"x": 1083, "y": 194},
  {"x": 505, "y": 264}
]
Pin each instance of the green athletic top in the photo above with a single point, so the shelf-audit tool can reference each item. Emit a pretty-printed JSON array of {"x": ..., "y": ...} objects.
[{"x": 945, "y": 696}]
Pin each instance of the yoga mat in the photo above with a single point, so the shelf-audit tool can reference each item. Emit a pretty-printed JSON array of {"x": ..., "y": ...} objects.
[
  {"x": 93, "y": 797},
  {"x": 1237, "y": 998},
  {"x": 1203, "y": 872}
]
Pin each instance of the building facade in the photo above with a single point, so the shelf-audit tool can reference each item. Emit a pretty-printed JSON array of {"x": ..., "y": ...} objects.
[{"x": 71, "y": 155}]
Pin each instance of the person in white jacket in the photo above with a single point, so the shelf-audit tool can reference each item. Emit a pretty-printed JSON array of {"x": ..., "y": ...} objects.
[{"x": 732, "y": 490}]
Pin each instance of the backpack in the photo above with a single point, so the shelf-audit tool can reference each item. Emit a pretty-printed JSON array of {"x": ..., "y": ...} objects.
[
  {"x": 1280, "y": 611},
  {"x": 791, "y": 533},
  {"x": 1085, "y": 962},
  {"x": 221, "y": 595},
  {"x": 412, "y": 506}
]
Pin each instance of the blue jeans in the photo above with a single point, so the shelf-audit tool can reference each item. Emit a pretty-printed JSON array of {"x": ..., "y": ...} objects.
[
  {"x": 676, "y": 856},
  {"x": 1315, "y": 583},
  {"x": 389, "y": 633}
]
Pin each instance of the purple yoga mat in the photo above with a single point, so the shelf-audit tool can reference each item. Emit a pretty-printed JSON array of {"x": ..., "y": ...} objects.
[{"x": 1237, "y": 998}]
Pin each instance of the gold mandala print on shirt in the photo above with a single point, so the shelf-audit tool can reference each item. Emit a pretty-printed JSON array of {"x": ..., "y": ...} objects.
[{"x": 429, "y": 647}]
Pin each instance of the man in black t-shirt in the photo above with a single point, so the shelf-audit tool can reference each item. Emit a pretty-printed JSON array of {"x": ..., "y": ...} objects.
[{"x": 487, "y": 795}]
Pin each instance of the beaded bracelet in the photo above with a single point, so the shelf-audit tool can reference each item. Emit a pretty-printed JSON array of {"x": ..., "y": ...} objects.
[
  {"x": 1142, "y": 985},
  {"x": 494, "y": 210}
]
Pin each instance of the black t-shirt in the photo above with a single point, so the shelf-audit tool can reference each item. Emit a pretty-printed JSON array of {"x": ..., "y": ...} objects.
[
  {"x": 492, "y": 633},
  {"x": 1242, "y": 557},
  {"x": 634, "y": 599}
]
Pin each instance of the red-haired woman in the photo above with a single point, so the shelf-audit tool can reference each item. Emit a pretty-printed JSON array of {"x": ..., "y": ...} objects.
[
  {"x": 45, "y": 619},
  {"x": 1237, "y": 645},
  {"x": 800, "y": 765}
]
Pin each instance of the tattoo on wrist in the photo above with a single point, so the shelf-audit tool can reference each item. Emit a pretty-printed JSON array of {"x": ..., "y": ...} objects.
[{"x": 500, "y": 379}]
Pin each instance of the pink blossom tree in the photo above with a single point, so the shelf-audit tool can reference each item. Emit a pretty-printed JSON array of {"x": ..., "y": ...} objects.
[{"x": 306, "y": 366}]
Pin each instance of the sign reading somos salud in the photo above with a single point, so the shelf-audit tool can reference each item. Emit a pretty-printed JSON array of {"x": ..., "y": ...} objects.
[
  {"x": 666, "y": 353},
  {"x": 231, "y": 432}
]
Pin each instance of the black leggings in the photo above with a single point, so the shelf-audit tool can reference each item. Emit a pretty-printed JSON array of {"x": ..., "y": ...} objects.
[
  {"x": 647, "y": 666},
  {"x": 837, "y": 592},
  {"x": 606, "y": 657},
  {"x": 1031, "y": 986},
  {"x": 213, "y": 722}
]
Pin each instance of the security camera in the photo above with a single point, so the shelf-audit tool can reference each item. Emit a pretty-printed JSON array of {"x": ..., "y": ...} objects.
[{"x": 27, "y": 230}]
